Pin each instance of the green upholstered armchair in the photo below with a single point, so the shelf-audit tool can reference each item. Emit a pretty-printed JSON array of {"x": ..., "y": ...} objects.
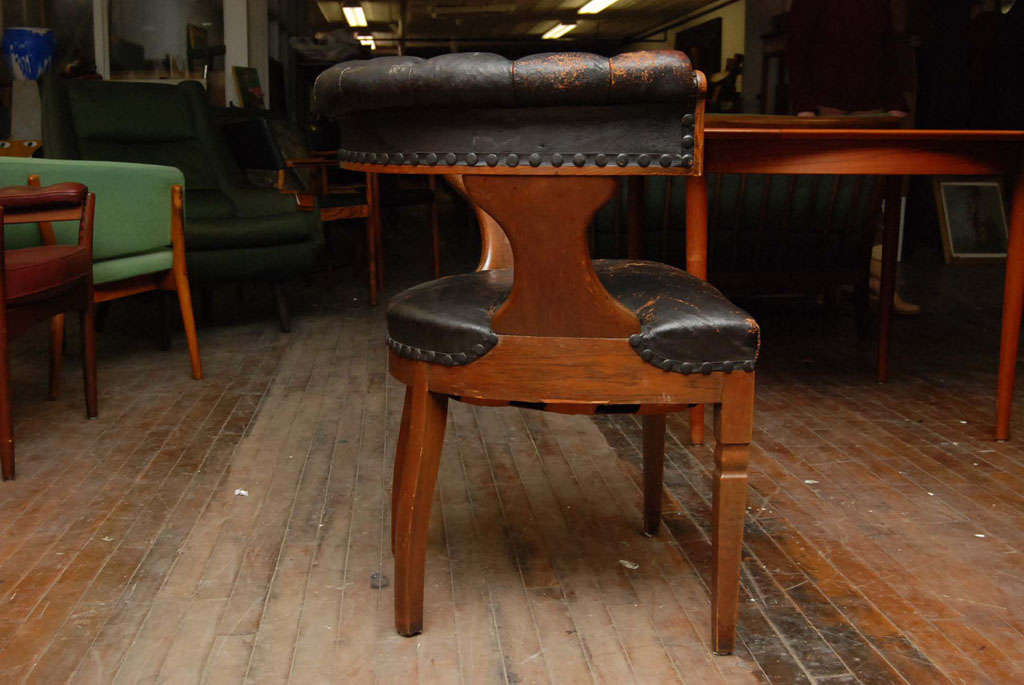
[
  {"x": 233, "y": 231},
  {"x": 138, "y": 242}
]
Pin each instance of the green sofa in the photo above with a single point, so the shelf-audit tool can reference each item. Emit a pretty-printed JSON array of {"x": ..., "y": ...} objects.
[
  {"x": 137, "y": 239},
  {"x": 233, "y": 231}
]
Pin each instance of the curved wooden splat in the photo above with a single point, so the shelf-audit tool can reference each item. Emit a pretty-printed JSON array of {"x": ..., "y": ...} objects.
[
  {"x": 555, "y": 292},
  {"x": 495, "y": 251}
]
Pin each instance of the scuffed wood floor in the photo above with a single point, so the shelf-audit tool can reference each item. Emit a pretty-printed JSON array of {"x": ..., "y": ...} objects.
[{"x": 883, "y": 542}]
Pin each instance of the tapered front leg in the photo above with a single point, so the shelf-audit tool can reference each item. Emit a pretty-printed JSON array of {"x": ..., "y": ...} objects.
[
  {"x": 400, "y": 448},
  {"x": 88, "y": 321},
  {"x": 733, "y": 422},
  {"x": 416, "y": 464},
  {"x": 654, "y": 469}
]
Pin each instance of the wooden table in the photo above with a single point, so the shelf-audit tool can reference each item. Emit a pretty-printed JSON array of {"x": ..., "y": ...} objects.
[{"x": 883, "y": 152}]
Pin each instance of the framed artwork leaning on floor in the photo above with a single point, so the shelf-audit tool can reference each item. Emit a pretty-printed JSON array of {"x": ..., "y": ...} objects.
[{"x": 972, "y": 218}]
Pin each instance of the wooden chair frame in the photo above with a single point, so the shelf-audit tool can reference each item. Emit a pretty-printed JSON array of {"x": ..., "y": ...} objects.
[
  {"x": 369, "y": 210},
  {"x": 174, "y": 280},
  {"x": 17, "y": 317},
  {"x": 562, "y": 349}
]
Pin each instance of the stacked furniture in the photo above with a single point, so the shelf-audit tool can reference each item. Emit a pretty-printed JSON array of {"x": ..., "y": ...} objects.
[
  {"x": 538, "y": 145},
  {"x": 233, "y": 231}
]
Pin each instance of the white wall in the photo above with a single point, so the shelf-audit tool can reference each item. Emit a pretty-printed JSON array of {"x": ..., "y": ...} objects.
[{"x": 259, "y": 44}]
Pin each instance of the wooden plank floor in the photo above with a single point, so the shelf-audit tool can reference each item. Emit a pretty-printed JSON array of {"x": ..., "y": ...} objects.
[{"x": 235, "y": 529}]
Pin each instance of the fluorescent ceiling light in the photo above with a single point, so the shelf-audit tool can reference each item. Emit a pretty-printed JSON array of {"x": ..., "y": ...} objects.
[
  {"x": 368, "y": 41},
  {"x": 558, "y": 31},
  {"x": 354, "y": 15},
  {"x": 331, "y": 11},
  {"x": 595, "y": 6}
]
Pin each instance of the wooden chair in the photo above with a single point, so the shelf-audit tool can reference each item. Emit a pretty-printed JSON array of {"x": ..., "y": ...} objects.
[
  {"x": 537, "y": 146},
  {"x": 139, "y": 245},
  {"x": 38, "y": 283},
  {"x": 361, "y": 201}
]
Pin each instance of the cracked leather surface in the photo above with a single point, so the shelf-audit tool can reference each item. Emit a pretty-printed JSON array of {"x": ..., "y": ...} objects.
[
  {"x": 480, "y": 79},
  {"x": 687, "y": 326}
]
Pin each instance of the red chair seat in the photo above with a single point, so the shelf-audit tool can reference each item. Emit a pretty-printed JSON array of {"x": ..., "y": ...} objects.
[{"x": 33, "y": 270}]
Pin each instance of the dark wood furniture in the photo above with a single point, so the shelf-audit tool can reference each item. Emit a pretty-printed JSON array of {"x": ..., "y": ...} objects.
[
  {"x": 540, "y": 325},
  {"x": 38, "y": 283},
  {"x": 892, "y": 153}
]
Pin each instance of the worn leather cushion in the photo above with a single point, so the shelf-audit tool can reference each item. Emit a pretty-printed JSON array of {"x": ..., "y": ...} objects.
[
  {"x": 687, "y": 326},
  {"x": 33, "y": 270},
  {"x": 480, "y": 79},
  {"x": 34, "y": 198}
]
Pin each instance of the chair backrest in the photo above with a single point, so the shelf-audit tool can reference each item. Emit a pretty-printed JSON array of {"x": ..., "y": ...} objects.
[
  {"x": 538, "y": 143},
  {"x": 133, "y": 202},
  {"x": 147, "y": 123}
]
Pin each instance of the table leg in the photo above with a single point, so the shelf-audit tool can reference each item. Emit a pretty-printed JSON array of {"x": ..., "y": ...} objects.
[
  {"x": 697, "y": 264},
  {"x": 1013, "y": 300},
  {"x": 887, "y": 286}
]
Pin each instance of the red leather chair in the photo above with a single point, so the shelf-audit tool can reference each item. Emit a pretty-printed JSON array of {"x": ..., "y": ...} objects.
[{"x": 40, "y": 282}]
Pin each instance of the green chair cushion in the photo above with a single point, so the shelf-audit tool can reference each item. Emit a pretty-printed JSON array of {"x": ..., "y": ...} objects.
[
  {"x": 133, "y": 203},
  {"x": 187, "y": 155},
  {"x": 208, "y": 204},
  {"x": 145, "y": 112},
  {"x": 258, "y": 231},
  {"x": 119, "y": 268},
  {"x": 258, "y": 263}
]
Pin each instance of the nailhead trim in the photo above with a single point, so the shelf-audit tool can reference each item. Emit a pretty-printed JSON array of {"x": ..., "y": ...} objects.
[
  {"x": 442, "y": 358},
  {"x": 639, "y": 345},
  {"x": 513, "y": 159}
]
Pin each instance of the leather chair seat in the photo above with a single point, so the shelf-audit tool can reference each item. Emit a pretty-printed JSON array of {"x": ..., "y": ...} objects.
[
  {"x": 687, "y": 326},
  {"x": 33, "y": 270}
]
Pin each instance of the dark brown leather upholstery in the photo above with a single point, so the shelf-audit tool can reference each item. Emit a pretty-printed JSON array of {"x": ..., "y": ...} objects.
[
  {"x": 687, "y": 326},
  {"x": 33, "y": 270},
  {"x": 53, "y": 196},
  {"x": 546, "y": 110},
  {"x": 479, "y": 79}
]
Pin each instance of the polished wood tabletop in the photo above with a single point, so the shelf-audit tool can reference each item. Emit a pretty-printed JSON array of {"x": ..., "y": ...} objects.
[{"x": 886, "y": 152}]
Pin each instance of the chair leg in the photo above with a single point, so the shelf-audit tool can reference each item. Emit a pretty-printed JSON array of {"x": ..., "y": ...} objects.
[
  {"x": 88, "y": 320},
  {"x": 419, "y": 460},
  {"x": 697, "y": 424},
  {"x": 654, "y": 468},
  {"x": 6, "y": 424},
  {"x": 282, "y": 309},
  {"x": 403, "y": 439},
  {"x": 188, "y": 321},
  {"x": 56, "y": 353},
  {"x": 733, "y": 424}
]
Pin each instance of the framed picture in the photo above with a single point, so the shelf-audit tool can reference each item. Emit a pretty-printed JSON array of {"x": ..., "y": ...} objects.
[
  {"x": 248, "y": 81},
  {"x": 972, "y": 217}
]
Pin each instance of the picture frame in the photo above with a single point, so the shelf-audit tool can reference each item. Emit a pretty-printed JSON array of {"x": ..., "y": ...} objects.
[
  {"x": 972, "y": 218},
  {"x": 248, "y": 81}
]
